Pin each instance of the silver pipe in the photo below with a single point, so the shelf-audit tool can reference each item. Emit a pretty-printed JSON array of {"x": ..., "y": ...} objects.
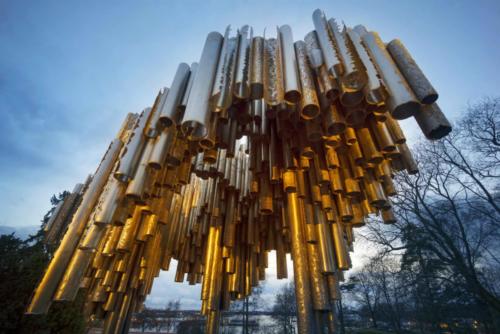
[
  {"x": 413, "y": 74},
  {"x": 352, "y": 77},
  {"x": 332, "y": 62},
  {"x": 222, "y": 91},
  {"x": 161, "y": 146},
  {"x": 374, "y": 90},
  {"x": 153, "y": 126},
  {"x": 242, "y": 85},
  {"x": 133, "y": 150},
  {"x": 197, "y": 108},
  {"x": 313, "y": 50},
  {"x": 309, "y": 105},
  {"x": 402, "y": 102},
  {"x": 169, "y": 110},
  {"x": 352, "y": 80},
  {"x": 185, "y": 97},
  {"x": 290, "y": 73}
]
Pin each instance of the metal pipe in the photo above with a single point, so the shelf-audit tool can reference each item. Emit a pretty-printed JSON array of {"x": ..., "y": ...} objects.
[
  {"x": 293, "y": 92},
  {"x": 401, "y": 100},
  {"x": 198, "y": 107},
  {"x": 417, "y": 80},
  {"x": 169, "y": 112}
]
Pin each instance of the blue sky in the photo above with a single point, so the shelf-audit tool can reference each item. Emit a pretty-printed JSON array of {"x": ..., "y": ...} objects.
[{"x": 70, "y": 71}]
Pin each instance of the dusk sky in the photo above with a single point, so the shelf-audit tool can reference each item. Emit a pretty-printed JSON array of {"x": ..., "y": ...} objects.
[{"x": 70, "y": 71}]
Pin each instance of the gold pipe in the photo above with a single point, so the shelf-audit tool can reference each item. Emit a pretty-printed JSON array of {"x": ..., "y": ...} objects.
[
  {"x": 341, "y": 253},
  {"x": 300, "y": 269},
  {"x": 42, "y": 297},
  {"x": 318, "y": 283}
]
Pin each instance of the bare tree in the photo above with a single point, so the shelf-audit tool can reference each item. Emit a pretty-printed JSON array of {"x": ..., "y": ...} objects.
[
  {"x": 450, "y": 210},
  {"x": 285, "y": 308},
  {"x": 144, "y": 319},
  {"x": 170, "y": 314},
  {"x": 361, "y": 289},
  {"x": 247, "y": 305},
  {"x": 379, "y": 287}
]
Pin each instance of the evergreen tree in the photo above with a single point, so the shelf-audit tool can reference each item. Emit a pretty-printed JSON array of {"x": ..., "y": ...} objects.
[{"x": 22, "y": 264}]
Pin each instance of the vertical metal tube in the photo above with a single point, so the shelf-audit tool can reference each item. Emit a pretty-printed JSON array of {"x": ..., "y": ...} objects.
[
  {"x": 330, "y": 57},
  {"x": 222, "y": 92},
  {"x": 273, "y": 75},
  {"x": 242, "y": 79},
  {"x": 169, "y": 111},
  {"x": 257, "y": 69},
  {"x": 309, "y": 105},
  {"x": 290, "y": 72},
  {"x": 198, "y": 107},
  {"x": 300, "y": 268}
]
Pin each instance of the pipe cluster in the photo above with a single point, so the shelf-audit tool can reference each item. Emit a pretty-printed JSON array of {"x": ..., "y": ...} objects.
[{"x": 264, "y": 144}]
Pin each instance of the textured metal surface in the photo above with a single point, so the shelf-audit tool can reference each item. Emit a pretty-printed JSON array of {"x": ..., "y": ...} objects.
[
  {"x": 433, "y": 122},
  {"x": 402, "y": 102},
  {"x": 412, "y": 73},
  {"x": 309, "y": 105},
  {"x": 330, "y": 56},
  {"x": 257, "y": 68},
  {"x": 242, "y": 80},
  {"x": 267, "y": 144},
  {"x": 224, "y": 77},
  {"x": 273, "y": 73}
]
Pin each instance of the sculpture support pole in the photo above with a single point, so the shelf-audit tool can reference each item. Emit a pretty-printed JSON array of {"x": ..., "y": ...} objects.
[{"x": 300, "y": 267}]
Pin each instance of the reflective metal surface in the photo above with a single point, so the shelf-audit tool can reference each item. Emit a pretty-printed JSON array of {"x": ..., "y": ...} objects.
[{"x": 266, "y": 144}]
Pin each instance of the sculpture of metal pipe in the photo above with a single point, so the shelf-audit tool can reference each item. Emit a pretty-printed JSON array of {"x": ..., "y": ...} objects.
[
  {"x": 300, "y": 267},
  {"x": 185, "y": 96},
  {"x": 198, "y": 107},
  {"x": 309, "y": 105},
  {"x": 224, "y": 78},
  {"x": 161, "y": 146},
  {"x": 42, "y": 298},
  {"x": 170, "y": 108},
  {"x": 401, "y": 101},
  {"x": 352, "y": 80},
  {"x": 223, "y": 169},
  {"x": 242, "y": 78},
  {"x": 133, "y": 149},
  {"x": 374, "y": 90},
  {"x": 153, "y": 127},
  {"x": 257, "y": 69},
  {"x": 433, "y": 122},
  {"x": 313, "y": 50},
  {"x": 417, "y": 80},
  {"x": 290, "y": 71},
  {"x": 330, "y": 57},
  {"x": 273, "y": 75}
]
